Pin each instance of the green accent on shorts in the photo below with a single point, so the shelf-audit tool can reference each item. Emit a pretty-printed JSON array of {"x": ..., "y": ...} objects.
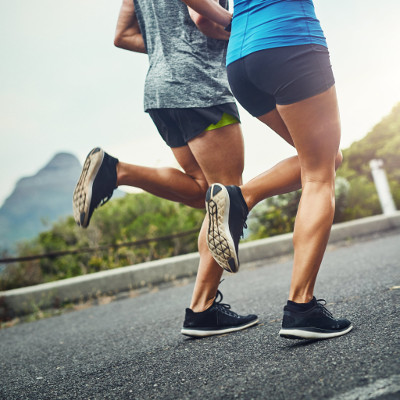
[{"x": 225, "y": 120}]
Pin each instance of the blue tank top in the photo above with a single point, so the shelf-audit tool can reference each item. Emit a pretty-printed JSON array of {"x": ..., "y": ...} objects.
[{"x": 265, "y": 24}]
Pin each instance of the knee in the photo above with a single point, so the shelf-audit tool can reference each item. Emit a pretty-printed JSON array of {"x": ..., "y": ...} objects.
[
  {"x": 197, "y": 198},
  {"x": 338, "y": 159}
]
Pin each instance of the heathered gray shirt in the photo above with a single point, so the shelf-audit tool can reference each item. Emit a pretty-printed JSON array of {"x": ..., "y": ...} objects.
[{"x": 187, "y": 69}]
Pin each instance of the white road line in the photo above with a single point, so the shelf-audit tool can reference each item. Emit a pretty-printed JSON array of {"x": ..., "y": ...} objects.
[{"x": 373, "y": 390}]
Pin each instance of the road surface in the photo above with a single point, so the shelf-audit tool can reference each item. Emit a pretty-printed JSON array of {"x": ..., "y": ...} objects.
[{"x": 132, "y": 348}]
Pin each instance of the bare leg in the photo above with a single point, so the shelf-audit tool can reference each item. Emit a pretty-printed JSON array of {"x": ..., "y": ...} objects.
[
  {"x": 222, "y": 161},
  {"x": 187, "y": 187},
  {"x": 285, "y": 176},
  {"x": 224, "y": 165},
  {"x": 213, "y": 156},
  {"x": 314, "y": 125}
]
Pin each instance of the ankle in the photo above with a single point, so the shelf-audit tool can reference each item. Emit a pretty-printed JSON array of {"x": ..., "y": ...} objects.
[
  {"x": 121, "y": 175},
  {"x": 247, "y": 197},
  {"x": 301, "y": 306},
  {"x": 200, "y": 306},
  {"x": 301, "y": 298}
]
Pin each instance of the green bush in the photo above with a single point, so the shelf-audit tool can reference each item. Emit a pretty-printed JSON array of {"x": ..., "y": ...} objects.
[{"x": 128, "y": 219}]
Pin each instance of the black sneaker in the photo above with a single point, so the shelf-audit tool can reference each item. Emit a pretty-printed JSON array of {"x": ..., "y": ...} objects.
[
  {"x": 227, "y": 212},
  {"x": 315, "y": 323},
  {"x": 218, "y": 319},
  {"x": 95, "y": 186}
]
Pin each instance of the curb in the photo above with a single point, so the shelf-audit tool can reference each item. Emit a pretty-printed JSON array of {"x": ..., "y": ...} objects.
[{"x": 29, "y": 299}]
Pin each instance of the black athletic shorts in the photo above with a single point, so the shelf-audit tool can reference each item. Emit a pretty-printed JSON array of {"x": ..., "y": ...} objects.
[
  {"x": 282, "y": 75},
  {"x": 179, "y": 125}
]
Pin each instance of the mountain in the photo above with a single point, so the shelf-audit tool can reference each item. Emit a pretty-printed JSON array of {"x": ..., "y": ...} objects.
[{"x": 38, "y": 201}]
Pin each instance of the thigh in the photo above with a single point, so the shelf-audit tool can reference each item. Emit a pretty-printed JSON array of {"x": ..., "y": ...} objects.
[
  {"x": 314, "y": 125},
  {"x": 186, "y": 159},
  {"x": 208, "y": 155},
  {"x": 274, "y": 121},
  {"x": 220, "y": 154}
]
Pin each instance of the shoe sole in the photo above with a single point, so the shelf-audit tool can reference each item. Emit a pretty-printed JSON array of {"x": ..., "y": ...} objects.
[
  {"x": 219, "y": 239},
  {"x": 83, "y": 189},
  {"x": 304, "y": 334},
  {"x": 205, "y": 333}
]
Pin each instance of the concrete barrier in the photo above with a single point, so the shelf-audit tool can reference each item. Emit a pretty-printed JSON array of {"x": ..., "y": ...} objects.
[{"x": 29, "y": 299}]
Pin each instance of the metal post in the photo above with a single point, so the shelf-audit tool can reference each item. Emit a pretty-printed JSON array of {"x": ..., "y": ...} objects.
[{"x": 382, "y": 187}]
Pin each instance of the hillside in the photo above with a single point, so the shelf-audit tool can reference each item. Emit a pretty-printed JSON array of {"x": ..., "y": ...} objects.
[
  {"x": 39, "y": 200},
  {"x": 383, "y": 142}
]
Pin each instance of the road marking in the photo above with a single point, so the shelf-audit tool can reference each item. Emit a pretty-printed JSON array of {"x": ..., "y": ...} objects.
[{"x": 373, "y": 390}]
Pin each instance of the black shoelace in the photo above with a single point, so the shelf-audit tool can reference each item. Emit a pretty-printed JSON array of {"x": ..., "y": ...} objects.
[
  {"x": 104, "y": 200},
  {"x": 244, "y": 218},
  {"x": 244, "y": 226},
  {"x": 223, "y": 307},
  {"x": 321, "y": 304}
]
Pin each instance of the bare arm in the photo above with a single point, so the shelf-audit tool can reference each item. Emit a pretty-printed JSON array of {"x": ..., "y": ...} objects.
[
  {"x": 211, "y": 10},
  {"x": 208, "y": 27},
  {"x": 127, "y": 34}
]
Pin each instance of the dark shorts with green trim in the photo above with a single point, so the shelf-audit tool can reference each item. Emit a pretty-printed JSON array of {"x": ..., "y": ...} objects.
[{"x": 177, "y": 126}]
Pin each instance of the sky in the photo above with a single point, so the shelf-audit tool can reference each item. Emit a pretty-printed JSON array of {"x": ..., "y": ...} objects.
[{"x": 65, "y": 88}]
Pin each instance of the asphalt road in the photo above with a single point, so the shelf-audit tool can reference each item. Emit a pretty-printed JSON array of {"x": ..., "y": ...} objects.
[{"x": 133, "y": 349}]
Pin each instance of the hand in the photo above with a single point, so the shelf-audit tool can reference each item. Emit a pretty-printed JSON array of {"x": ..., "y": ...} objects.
[
  {"x": 228, "y": 27},
  {"x": 212, "y": 10}
]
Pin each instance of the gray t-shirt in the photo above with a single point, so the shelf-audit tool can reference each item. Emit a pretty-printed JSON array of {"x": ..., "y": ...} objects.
[{"x": 187, "y": 69}]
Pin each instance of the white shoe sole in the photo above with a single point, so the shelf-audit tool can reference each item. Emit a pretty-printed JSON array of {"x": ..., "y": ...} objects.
[
  {"x": 219, "y": 239},
  {"x": 203, "y": 333},
  {"x": 83, "y": 190},
  {"x": 303, "y": 334}
]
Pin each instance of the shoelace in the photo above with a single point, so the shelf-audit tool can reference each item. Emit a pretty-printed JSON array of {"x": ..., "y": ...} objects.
[
  {"x": 244, "y": 225},
  {"x": 104, "y": 201},
  {"x": 223, "y": 307},
  {"x": 321, "y": 304}
]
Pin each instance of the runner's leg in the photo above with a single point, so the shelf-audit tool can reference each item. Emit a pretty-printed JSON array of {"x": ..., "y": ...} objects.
[
  {"x": 223, "y": 164},
  {"x": 282, "y": 178},
  {"x": 314, "y": 125},
  {"x": 186, "y": 187}
]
